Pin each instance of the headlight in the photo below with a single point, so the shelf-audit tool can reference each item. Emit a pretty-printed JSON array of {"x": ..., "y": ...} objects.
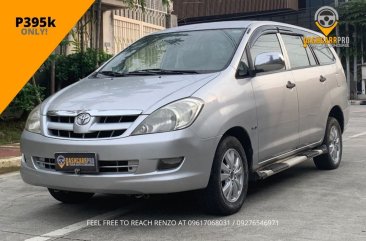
[
  {"x": 34, "y": 120},
  {"x": 174, "y": 116}
]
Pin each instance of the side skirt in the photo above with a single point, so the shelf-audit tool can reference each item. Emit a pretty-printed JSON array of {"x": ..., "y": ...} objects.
[{"x": 286, "y": 163}]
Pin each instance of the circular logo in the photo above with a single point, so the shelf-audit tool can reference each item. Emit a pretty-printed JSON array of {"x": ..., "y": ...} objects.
[
  {"x": 83, "y": 119},
  {"x": 61, "y": 161},
  {"x": 326, "y": 16}
]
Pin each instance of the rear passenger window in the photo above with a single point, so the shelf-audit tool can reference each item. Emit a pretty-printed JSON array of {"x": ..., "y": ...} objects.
[
  {"x": 296, "y": 51},
  {"x": 323, "y": 54}
]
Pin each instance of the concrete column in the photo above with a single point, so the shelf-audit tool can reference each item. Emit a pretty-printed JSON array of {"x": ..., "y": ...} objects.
[
  {"x": 336, "y": 4},
  {"x": 107, "y": 40},
  {"x": 69, "y": 47},
  {"x": 171, "y": 20}
]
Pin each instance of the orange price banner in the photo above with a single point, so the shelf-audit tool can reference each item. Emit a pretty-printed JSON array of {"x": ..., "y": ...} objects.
[{"x": 30, "y": 31}]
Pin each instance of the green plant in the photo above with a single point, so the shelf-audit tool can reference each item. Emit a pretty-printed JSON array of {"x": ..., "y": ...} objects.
[
  {"x": 27, "y": 98},
  {"x": 10, "y": 131},
  {"x": 353, "y": 13},
  {"x": 352, "y": 24},
  {"x": 71, "y": 68}
]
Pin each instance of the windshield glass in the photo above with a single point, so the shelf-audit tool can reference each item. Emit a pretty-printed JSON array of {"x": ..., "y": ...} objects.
[{"x": 185, "y": 52}]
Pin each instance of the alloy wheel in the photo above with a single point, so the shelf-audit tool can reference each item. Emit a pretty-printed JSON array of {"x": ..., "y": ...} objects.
[{"x": 232, "y": 175}]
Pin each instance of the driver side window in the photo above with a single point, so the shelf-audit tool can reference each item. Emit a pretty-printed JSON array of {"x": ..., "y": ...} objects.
[{"x": 265, "y": 44}]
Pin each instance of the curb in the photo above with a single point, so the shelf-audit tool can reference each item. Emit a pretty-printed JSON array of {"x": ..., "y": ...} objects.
[{"x": 9, "y": 164}]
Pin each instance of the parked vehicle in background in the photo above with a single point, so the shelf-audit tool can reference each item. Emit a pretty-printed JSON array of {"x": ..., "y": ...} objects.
[{"x": 204, "y": 106}]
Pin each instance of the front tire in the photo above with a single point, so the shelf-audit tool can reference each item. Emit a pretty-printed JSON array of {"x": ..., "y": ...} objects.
[
  {"x": 333, "y": 141},
  {"x": 228, "y": 184},
  {"x": 70, "y": 197}
]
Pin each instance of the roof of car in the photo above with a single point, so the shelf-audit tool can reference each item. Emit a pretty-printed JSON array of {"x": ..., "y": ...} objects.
[
  {"x": 212, "y": 25},
  {"x": 230, "y": 24}
]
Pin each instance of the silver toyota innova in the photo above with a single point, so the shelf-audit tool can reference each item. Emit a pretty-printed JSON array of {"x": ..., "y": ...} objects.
[{"x": 199, "y": 107}]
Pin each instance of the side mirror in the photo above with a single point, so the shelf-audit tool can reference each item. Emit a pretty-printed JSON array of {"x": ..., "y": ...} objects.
[
  {"x": 270, "y": 61},
  {"x": 243, "y": 70}
]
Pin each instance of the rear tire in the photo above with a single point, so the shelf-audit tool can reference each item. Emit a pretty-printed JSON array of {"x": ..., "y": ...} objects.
[
  {"x": 228, "y": 184},
  {"x": 70, "y": 197},
  {"x": 333, "y": 141}
]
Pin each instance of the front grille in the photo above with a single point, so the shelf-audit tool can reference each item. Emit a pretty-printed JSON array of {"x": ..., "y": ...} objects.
[
  {"x": 62, "y": 119},
  {"x": 101, "y": 127},
  {"x": 95, "y": 134},
  {"x": 104, "y": 166}
]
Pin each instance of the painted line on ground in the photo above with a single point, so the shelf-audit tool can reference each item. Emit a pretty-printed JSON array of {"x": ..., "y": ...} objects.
[
  {"x": 361, "y": 161},
  {"x": 354, "y": 136},
  {"x": 82, "y": 224}
]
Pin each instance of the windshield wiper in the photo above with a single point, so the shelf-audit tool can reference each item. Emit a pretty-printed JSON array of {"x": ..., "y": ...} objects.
[
  {"x": 163, "y": 72},
  {"x": 147, "y": 72},
  {"x": 112, "y": 73}
]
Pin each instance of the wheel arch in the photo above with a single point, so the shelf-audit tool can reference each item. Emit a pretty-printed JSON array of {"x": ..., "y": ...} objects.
[
  {"x": 337, "y": 113},
  {"x": 242, "y": 135}
]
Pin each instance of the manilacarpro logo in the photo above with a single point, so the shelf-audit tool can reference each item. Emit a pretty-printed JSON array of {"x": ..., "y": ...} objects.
[
  {"x": 61, "y": 161},
  {"x": 35, "y": 25},
  {"x": 327, "y": 19}
]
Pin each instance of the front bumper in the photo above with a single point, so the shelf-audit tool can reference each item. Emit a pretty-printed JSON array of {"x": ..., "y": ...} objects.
[{"x": 192, "y": 174}]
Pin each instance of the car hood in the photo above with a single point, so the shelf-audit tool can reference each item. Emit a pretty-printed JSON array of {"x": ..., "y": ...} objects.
[{"x": 137, "y": 93}]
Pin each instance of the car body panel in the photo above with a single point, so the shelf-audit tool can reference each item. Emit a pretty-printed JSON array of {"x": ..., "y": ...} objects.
[
  {"x": 148, "y": 149},
  {"x": 311, "y": 110},
  {"x": 277, "y": 110},
  {"x": 119, "y": 93}
]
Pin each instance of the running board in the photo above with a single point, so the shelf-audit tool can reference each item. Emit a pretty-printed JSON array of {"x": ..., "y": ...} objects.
[{"x": 284, "y": 164}]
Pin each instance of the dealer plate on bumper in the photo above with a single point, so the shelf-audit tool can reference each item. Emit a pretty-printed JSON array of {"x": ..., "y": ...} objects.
[{"x": 76, "y": 162}]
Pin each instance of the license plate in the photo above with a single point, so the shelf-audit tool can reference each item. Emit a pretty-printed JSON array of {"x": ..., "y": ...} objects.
[{"x": 76, "y": 162}]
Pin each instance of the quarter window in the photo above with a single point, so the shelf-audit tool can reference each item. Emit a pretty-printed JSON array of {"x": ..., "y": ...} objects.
[
  {"x": 323, "y": 54},
  {"x": 296, "y": 51}
]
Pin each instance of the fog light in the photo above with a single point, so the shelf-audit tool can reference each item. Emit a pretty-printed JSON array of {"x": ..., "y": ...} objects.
[{"x": 169, "y": 163}]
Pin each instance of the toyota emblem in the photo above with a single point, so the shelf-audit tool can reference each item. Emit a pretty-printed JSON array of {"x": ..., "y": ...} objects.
[{"x": 83, "y": 119}]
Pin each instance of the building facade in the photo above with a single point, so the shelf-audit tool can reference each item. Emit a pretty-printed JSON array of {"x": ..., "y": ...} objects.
[
  {"x": 121, "y": 25},
  {"x": 297, "y": 12},
  {"x": 188, "y": 9}
]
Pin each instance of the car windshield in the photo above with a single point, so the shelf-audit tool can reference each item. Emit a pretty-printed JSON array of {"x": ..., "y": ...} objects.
[{"x": 190, "y": 52}]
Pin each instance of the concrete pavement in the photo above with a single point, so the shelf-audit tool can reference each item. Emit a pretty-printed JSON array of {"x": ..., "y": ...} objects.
[{"x": 303, "y": 203}]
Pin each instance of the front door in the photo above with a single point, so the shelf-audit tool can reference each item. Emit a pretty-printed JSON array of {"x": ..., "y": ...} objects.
[{"x": 276, "y": 103}]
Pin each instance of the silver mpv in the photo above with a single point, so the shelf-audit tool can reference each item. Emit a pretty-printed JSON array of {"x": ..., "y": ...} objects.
[{"x": 206, "y": 106}]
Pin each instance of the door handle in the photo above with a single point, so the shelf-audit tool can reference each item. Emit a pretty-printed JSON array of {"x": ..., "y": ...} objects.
[
  {"x": 290, "y": 85},
  {"x": 322, "y": 78}
]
